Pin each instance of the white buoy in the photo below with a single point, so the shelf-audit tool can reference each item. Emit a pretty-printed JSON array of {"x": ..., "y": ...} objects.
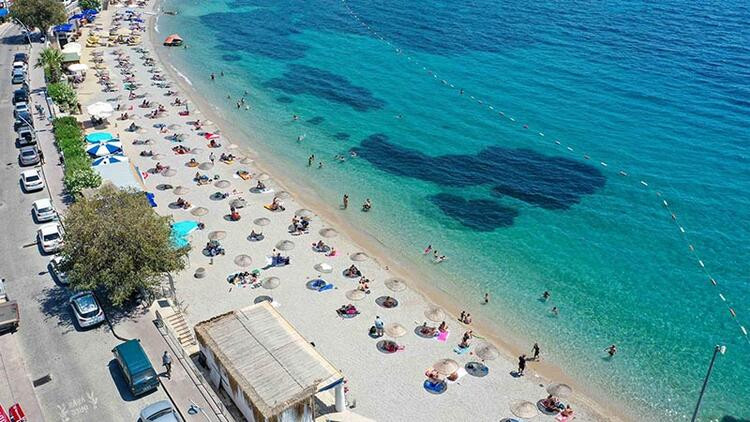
[
  {"x": 644, "y": 183},
  {"x": 603, "y": 163},
  {"x": 722, "y": 297}
]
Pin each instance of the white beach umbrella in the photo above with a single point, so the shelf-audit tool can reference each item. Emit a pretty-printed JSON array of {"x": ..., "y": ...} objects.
[
  {"x": 100, "y": 110},
  {"x": 445, "y": 366},
  {"x": 270, "y": 283},
  {"x": 262, "y": 221},
  {"x": 217, "y": 235},
  {"x": 199, "y": 212},
  {"x": 169, "y": 173},
  {"x": 323, "y": 267},
  {"x": 396, "y": 285},
  {"x": 524, "y": 409},
  {"x": 104, "y": 148},
  {"x": 243, "y": 260},
  {"x": 328, "y": 232},
  {"x": 180, "y": 190},
  {"x": 109, "y": 159},
  {"x": 285, "y": 245},
  {"x": 487, "y": 352},
  {"x": 223, "y": 184},
  {"x": 359, "y": 256},
  {"x": 303, "y": 213},
  {"x": 356, "y": 294},
  {"x": 560, "y": 390},
  {"x": 78, "y": 67},
  {"x": 435, "y": 313},
  {"x": 395, "y": 330},
  {"x": 206, "y": 166}
]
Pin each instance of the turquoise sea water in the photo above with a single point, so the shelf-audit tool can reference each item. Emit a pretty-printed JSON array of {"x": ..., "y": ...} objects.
[{"x": 658, "y": 91}]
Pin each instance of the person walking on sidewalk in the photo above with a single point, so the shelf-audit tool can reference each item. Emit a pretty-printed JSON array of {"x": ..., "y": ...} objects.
[{"x": 166, "y": 360}]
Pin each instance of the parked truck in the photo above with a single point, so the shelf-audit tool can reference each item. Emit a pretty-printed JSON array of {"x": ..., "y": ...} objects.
[{"x": 9, "y": 316}]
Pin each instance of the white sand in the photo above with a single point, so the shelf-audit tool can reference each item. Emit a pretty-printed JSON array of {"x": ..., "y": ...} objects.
[{"x": 386, "y": 387}]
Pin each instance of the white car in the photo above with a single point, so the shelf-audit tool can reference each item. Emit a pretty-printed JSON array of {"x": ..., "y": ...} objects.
[
  {"x": 43, "y": 210},
  {"x": 32, "y": 180},
  {"x": 160, "y": 411},
  {"x": 20, "y": 107},
  {"x": 54, "y": 269},
  {"x": 50, "y": 237},
  {"x": 86, "y": 309}
]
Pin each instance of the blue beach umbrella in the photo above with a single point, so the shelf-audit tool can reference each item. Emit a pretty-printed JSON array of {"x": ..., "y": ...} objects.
[
  {"x": 110, "y": 159},
  {"x": 104, "y": 148},
  {"x": 98, "y": 137}
]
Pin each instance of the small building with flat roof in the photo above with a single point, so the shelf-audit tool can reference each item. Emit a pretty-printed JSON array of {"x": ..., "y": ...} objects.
[{"x": 264, "y": 364}]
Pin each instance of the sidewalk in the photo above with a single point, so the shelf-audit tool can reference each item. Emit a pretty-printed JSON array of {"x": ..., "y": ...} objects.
[
  {"x": 15, "y": 386},
  {"x": 184, "y": 387}
]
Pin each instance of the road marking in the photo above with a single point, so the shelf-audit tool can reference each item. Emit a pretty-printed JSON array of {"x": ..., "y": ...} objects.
[{"x": 77, "y": 406}]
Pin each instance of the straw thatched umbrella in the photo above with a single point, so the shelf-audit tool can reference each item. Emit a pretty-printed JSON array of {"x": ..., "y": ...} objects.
[
  {"x": 157, "y": 157},
  {"x": 304, "y": 213},
  {"x": 395, "y": 284},
  {"x": 206, "y": 165},
  {"x": 282, "y": 194},
  {"x": 285, "y": 245},
  {"x": 359, "y": 256},
  {"x": 395, "y": 330},
  {"x": 247, "y": 160},
  {"x": 270, "y": 283},
  {"x": 323, "y": 267},
  {"x": 445, "y": 366},
  {"x": 217, "y": 235},
  {"x": 560, "y": 390},
  {"x": 486, "y": 352},
  {"x": 262, "y": 221},
  {"x": 243, "y": 260},
  {"x": 435, "y": 313},
  {"x": 263, "y": 177},
  {"x": 169, "y": 173},
  {"x": 199, "y": 212},
  {"x": 328, "y": 232},
  {"x": 180, "y": 190},
  {"x": 223, "y": 184},
  {"x": 524, "y": 409},
  {"x": 356, "y": 294}
]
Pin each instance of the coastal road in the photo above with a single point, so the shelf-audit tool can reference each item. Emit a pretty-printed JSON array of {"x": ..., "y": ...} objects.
[{"x": 72, "y": 369}]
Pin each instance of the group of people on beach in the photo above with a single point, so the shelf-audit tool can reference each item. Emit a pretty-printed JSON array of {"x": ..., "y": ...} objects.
[{"x": 436, "y": 257}]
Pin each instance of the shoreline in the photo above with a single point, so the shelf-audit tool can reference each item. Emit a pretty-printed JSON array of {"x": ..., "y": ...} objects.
[{"x": 491, "y": 330}]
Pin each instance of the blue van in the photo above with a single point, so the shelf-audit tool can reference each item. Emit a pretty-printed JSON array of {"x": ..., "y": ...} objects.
[{"x": 137, "y": 369}]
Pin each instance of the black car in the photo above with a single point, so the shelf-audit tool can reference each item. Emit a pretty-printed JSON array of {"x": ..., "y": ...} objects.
[
  {"x": 21, "y": 57},
  {"x": 20, "y": 96},
  {"x": 24, "y": 119}
]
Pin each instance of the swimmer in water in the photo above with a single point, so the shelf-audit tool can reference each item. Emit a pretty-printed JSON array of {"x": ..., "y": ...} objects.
[
  {"x": 320, "y": 165},
  {"x": 295, "y": 117},
  {"x": 611, "y": 350},
  {"x": 545, "y": 295},
  {"x": 427, "y": 249},
  {"x": 555, "y": 311},
  {"x": 398, "y": 116},
  {"x": 353, "y": 153}
]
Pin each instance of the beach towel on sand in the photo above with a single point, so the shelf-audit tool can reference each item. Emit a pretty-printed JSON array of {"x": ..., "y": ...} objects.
[
  {"x": 443, "y": 336},
  {"x": 460, "y": 350}
]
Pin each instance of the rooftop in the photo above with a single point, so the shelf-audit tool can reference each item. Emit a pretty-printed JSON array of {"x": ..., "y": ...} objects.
[{"x": 266, "y": 357}]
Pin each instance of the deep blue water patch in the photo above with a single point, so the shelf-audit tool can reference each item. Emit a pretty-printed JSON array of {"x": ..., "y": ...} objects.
[
  {"x": 316, "y": 120},
  {"x": 284, "y": 99},
  {"x": 301, "y": 79},
  {"x": 526, "y": 175},
  {"x": 230, "y": 58},
  {"x": 341, "y": 136},
  {"x": 483, "y": 215}
]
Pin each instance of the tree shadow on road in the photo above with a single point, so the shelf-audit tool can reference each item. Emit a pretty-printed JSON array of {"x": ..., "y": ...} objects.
[{"x": 53, "y": 302}]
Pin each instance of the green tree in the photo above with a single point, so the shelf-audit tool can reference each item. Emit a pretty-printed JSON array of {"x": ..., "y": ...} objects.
[
  {"x": 89, "y": 4},
  {"x": 63, "y": 95},
  {"x": 40, "y": 14},
  {"x": 115, "y": 242},
  {"x": 51, "y": 60}
]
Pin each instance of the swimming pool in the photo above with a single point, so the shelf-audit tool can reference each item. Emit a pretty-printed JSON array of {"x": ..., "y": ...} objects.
[
  {"x": 98, "y": 137},
  {"x": 181, "y": 230}
]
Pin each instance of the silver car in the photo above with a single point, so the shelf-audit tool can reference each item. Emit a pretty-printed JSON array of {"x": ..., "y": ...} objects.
[
  {"x": 86, "y": 309},
  {"x": 160, "y": 411},
  {"x": 43, "y": 210},
  {"x": 54, "y": 268},
  {"x": 28, "y": 156}
]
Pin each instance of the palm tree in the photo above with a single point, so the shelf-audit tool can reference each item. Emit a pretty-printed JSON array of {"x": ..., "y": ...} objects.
[{"x": 51, "y": 60}]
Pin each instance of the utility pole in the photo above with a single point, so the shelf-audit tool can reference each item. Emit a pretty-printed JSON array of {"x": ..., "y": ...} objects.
[{"x": 717, "y": 349}]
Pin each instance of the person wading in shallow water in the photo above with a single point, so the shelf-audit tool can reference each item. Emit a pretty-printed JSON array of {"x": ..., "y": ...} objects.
[{"x": 346, "y": 201}]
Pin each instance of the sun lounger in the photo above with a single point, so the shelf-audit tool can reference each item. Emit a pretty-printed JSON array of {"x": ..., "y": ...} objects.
[{"x": 461, "y": 350}]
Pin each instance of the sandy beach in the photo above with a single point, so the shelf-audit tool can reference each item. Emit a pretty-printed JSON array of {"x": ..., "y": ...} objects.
[{"x": 384, "y": 386}]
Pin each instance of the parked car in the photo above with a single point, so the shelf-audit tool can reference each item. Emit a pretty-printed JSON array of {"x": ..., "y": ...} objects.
[
  {"x": 26, "y": 136},
  {"x": 21, "y": 57},
  {"x": 161, "y": 411},
  {"x": 23, "y": 119},
  {"x": 21, "y": 96},
  {"x": 32, "y": 181},
  {"x": 28, "y": 156},
  {"x": 54, "y": 269},
  {"x": 19, "y": 66},
  {"x": 50, "y": 237},
  {"x": 137, "y": 369},
  {"x": 18, "y": 76},
  {"x": 86, "y": 309},
  {"x": 20, "y": 108},
  {"x": 43, "y": 210}
]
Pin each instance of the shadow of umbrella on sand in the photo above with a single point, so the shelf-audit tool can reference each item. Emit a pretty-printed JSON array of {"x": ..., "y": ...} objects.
[
  {"x": 524, "y": 409},
  {"x": 199, "y": 212},
  {"x": 355, "y": 294},
  {"x": 243, "y": 260}
]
